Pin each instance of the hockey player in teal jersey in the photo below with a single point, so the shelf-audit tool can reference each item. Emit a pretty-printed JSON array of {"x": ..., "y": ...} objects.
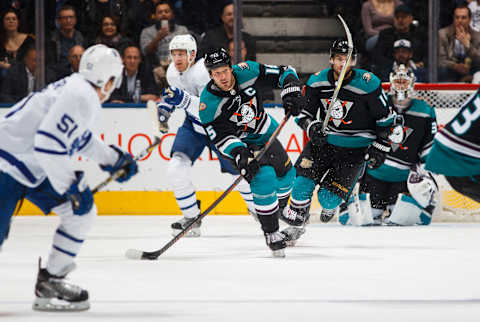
[
  {"x": 388, "y": 186},
  {"x": 359, "y": 124},
  {"x": 232, "y": 113},
  {"x": 456, "y": 150}
]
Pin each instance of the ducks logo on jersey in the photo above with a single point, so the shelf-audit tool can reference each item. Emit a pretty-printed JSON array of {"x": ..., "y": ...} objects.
[
  {"x": 246, "y": 115},
  {"x": 340, "y": 111},
  {"x": 399, "y": 134}
]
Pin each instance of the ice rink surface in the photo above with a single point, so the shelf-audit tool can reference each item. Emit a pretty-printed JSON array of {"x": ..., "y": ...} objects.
[{"x": 334, "y": 273}]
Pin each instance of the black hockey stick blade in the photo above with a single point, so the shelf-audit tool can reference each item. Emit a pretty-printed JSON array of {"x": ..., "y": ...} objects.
[{"x": 138, "y": 254}]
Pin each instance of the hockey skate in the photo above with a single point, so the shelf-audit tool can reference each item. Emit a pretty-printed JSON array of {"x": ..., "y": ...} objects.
[
  {"x": 294, "y": 216},
  {"x": 327, "y": 215},
  {"x": 52, "y": 293},
  {"x": 276, "y": 242},
  {"x": 292, "y": 234},
  {"x": 180, "y": 225}
]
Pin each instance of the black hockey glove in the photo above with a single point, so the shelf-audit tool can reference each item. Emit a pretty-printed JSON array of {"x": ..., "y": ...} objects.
[
  {"x": 80, "y": 195},
  {"x": 292, "y": 98},
  {"x": 125, "y": 162},
  {"x": 315, "y": 133},
  {"x": 376, "y": 154},
  {"x": 246, "y": 165}
]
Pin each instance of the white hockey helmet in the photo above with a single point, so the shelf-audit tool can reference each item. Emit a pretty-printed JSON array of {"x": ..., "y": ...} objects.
[
  {"x": 402, "y": 81},
  {"x": 422, "y": 187},
  {"x": 99, "y": 64},
  {"x": 184, "y": 42}
]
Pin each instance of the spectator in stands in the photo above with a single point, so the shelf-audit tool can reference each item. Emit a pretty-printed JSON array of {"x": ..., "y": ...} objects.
[
  {"x": 402, "y": 29},
  {"x": 231, "y": 51},
  {"x": 154, "y": 40},
  {"x": 110, "y": 34},
  {"x": 96, "y": 10},
  {"x": 21, "y": 77},
  {"x": 376, "y": 16},
  {"x": 136, "y": 76},
  {"x": 64, "y": 38},
  {"x": 459, "y": 48},
  {"x": 74, "y": 61},
  {"x": 474, "y": 7},
  {"x": 403, "y": 53},
  {"x": 221, "y": 36},
  {"x": 12, "y": 41}
]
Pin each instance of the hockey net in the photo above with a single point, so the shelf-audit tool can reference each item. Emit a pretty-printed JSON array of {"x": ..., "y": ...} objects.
[{"x": 446, "y": 99}]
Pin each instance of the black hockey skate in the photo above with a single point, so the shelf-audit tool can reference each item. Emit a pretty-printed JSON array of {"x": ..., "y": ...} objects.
[
  {"x": 180, "y": 225},
  {"x": 276, "y": 242},
  {"x": 327, "y": 214},
  {"x": 52, "y": 293},
  {"x": 292, "y": 234},
  {"x": 294, "y": 216}
]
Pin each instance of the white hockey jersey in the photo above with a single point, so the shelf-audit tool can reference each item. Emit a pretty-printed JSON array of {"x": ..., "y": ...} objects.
[
  {"x": 193, "y": 80},
  {"x": 43, "y": 132}
]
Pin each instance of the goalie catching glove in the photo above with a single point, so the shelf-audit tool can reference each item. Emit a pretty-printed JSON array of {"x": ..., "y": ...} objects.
[
  {"x": 125, "y": 163},
  {"x": 377, "y": 153},
  {"x": 245, "y": 162},
  {"x": 292, "y": 98}
]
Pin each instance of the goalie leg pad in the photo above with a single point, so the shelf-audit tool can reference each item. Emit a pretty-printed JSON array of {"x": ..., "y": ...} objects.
[
  {"x": 407, "y": 212},
  {"x": 357, "y": 212}
]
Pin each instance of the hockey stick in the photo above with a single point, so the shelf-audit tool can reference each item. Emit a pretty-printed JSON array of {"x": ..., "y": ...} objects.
[
  {"x": 342, "y": 75},
  {"x": 152, "y": 114},
  {"x": 138, "y": 254}
]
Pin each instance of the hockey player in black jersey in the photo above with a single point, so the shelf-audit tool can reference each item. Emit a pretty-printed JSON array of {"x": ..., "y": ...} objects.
[
  {"x": 456, "y": 150},
  {"x": 232, "y": 113},
  {"x": 399, "y": 184},
  {"x": 359, "y": 125}
]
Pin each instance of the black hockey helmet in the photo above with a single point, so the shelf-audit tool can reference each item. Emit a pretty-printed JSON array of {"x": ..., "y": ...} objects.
[
  {"x": 340, "y": 46},
  {"x": 217, "y": 58}
]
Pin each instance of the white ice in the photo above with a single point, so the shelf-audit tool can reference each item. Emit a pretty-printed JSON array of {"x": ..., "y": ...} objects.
[{"x": 334, "y": 273}]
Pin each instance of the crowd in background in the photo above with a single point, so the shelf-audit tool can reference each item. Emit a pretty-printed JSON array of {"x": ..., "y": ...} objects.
[{"x": 390, "y": 32}]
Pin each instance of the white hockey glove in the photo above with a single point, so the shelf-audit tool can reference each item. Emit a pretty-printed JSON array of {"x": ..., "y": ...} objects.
[{"x": 422, "y": 186}]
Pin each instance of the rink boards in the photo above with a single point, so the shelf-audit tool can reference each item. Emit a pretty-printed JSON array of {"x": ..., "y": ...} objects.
[{"x": 149, "y": 192}]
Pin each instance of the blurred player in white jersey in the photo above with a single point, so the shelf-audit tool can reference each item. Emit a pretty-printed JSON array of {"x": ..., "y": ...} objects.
[
  {"x": 41, "y": 136},
  {"x": 187, "y": 80}
]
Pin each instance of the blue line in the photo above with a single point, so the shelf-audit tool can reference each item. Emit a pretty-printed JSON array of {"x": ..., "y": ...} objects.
[
  {"x": 185, "y": 208},
  {"x": 64, "y": 251},
  {"x": 183, "y": 198},
  {"x": 64, "y": 234},
  {"x": 19, "y": 165},
  {"x": 53, "y": 137},
  {"x": 50, "y": 151}
]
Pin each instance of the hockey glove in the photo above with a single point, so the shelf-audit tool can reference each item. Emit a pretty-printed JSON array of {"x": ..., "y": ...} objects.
[
  {"x": 246, "y": 165},
  {"x": 125, "y": 163},
  {"x": 292, "y": 98},
  {"x": 315, "y": 133},
  {"x": 376, "y": 154},
  {"x": 176, "y": 97},
  {"x": 80, "y": 195},
  {"x": 164, "y": 111}
]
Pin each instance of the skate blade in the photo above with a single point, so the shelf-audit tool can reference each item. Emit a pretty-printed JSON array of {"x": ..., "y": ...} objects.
[
  {"x": 278, "y": 253},
  {"x": 195, "y": 232},
  {"x": 56, "y": 305},
  {"x": 291, "y": 243}
]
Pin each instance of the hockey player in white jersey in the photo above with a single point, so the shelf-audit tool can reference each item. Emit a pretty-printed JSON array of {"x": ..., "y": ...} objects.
[
  {"x": 41, "y": 135},
  {"x": 187, "y": 80}
]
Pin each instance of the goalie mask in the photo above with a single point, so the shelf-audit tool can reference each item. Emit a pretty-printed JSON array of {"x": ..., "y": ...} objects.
[
  {"x": 402, "y": 81},
  {"x": 422, "y": 187}
]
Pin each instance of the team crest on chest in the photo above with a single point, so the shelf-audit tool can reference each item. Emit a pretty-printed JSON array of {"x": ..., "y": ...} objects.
[
  {"x": 399, "y": 134},
  {"x": 339, "y": 111},
  {"x": 246, "y": 115}
]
